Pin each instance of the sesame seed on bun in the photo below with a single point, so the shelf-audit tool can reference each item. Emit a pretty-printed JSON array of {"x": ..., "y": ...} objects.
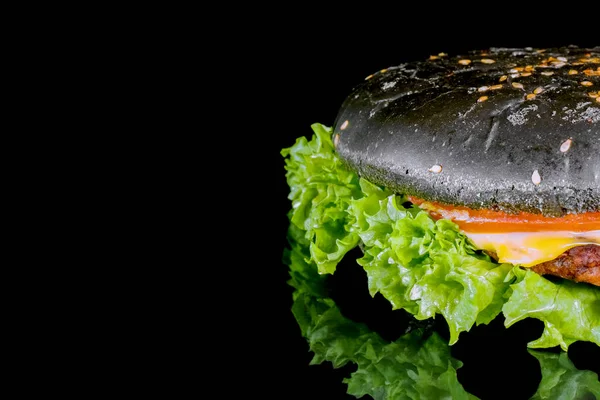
[{"x": 508, "y": 129}]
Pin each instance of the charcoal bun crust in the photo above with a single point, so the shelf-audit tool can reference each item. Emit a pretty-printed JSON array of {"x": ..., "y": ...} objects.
[{"x": 506, "y": 129}]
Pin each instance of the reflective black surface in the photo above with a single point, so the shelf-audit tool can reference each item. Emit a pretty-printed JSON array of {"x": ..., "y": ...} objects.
[{"x": 317, "y": 63}]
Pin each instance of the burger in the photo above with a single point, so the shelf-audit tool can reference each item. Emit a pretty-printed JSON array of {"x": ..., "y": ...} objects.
[{"x": 470, "y": 186}]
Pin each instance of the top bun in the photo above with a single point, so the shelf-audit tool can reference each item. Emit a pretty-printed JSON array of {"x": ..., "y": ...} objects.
[{"x": 505, "y": 129}]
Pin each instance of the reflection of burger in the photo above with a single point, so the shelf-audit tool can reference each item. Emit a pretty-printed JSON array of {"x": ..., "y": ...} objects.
[{"x": 471, "y": 185}]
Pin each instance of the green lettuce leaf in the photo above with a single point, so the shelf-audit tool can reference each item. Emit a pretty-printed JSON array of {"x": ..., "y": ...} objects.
[
  {"x": 424, "y": 266},
  {"x": 570, "y": 311},
  {"x": 413, "y": 367},
  {"x": 321, "y": 190},
  {"x": 562, "y": 381}
]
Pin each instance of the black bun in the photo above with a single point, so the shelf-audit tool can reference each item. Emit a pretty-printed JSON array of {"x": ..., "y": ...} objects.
[{"x": 489, "y": 120}]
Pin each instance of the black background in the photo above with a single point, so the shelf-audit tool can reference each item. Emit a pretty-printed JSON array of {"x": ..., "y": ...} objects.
[{"x": 310, "y": 60}]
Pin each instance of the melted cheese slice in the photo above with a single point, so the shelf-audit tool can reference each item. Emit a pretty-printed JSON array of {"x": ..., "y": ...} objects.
[{"x": 532, "y": 248}]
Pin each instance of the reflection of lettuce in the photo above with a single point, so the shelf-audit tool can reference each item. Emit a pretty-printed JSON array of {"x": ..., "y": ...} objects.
[
  {"x": 561, "y": 380},
  {"x": 420, "y": 265},
  {"x": 413, "y": 367}
]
